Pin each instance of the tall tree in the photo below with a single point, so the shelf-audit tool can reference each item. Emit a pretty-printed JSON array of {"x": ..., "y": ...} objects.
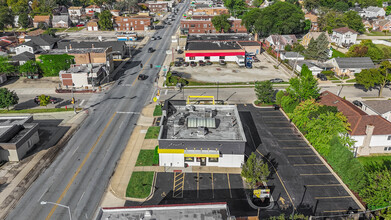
[
  {"x": 249, "y": 19},
  {"x": 373, "y": 78},
  {"x": 7, "y": 98},
  {"x": 221, "y": 23},
  {"x": 264, "y": 91},
  {"x": 341, "y": 6},
  {"x": 24, "y": 20},
  {"x": 5, "y": 66},
  {"x": 366, "y": 49},
  {"x": 354, "y": 21},
  {"x": 30, "y": 67},
  {"x": 105, "y": 22},
  {"x": 254, "y": 170},
  {"x": 378, "y": 192},
  {"x": 303, "y": 87},
  {"x": 6, "y": 17}
]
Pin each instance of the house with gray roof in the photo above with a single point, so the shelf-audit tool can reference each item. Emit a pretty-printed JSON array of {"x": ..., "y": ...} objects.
[
  {"x": 351, "y": 65},
  {"x": 374, "y": 12},
  {"x": 61, "y": 21},
  {"x": 44, "y": 41},
  {"x": 291, "y": 56},
  {"x": 377, "y": 107},
  {"x": 23, "y": 57},
  {"x": 119, "y": 47},
  {"x": 28, "y": 46},
  {"x": 312, "y": 65}
]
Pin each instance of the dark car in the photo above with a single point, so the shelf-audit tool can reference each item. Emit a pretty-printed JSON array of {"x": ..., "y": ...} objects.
[
  {"x": 180, "y": 51},
  {"x": 186, "y": 64},
  {"x": 150, "y": 50},
  {"x": 177, "y": 63},
  {"x": 169, "y": 23},
  {"x": 142, "y": 77},
  {"x": 222, "y": 62},
  {"x": 201, "y": 63},
  {"x": 158, "y": 38},
  {"x": 358, "y": 103},
  {"x": 153, "y": 38},
  {"x": 322, "y": 77},
  {"x": 276, "y": 80},
  {"x": 192, "y": 63},
  {"x": 208, "y": 63},
  {"x": 52, "y": 100},
  {"x": 249, "y": 65}
]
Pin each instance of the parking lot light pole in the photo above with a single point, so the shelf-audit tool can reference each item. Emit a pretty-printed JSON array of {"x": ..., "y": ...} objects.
[{"x": 64, "y": 206}]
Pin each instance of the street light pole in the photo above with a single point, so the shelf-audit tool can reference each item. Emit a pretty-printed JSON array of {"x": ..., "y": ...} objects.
[
  {"x": 64, "y": 206},
  {"x": 73, "y": 101}
]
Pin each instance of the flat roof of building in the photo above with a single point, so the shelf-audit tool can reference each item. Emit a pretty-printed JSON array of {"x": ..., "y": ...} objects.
[
  {"x": 207, "y": 211},
  {"x": 13, "y": 128},
  {"x": 216, "y": 45},
  {"x": 201, "y": 122},
  {"x": 219, "y": 37},
  {"x": 84, "y": 69}
]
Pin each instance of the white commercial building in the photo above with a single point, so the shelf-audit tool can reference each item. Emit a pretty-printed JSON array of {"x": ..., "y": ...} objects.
[{"x": 200, "y": 135}]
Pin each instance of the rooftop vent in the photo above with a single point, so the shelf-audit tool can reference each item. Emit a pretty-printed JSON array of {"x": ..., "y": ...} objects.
[{"x": 201, "y": 122}]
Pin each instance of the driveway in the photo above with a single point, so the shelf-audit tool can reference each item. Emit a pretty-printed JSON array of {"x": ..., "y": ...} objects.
[
  {"x": 301, "y": 178},
  {"x": 262, "y": 70}
]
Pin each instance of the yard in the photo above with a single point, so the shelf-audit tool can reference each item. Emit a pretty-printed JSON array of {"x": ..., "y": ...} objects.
[
  {"x": 140, "y": 184},
  {"x": 375, "y": 162},
  {"x": 152, "y": 132},
  {"x": 337, "y": 53},
  {"x": 74, "y": 29},
  {"x": 145, "y": 158}
]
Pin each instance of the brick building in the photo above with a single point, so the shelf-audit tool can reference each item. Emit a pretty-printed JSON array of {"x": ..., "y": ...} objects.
[
  {"x": 198, "y": 26},
  {"x": 134, "y": 23},
  {"x": 156, "y": 6},
  {"x": 208, "y": 11}
]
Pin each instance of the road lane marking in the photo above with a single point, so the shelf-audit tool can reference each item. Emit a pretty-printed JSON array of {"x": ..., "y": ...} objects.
[
  {"x": 278, "y": 175},
  {"x": 229, "y": 186},
  {"x": 81, "y": 103},
  {"x": 336, "y": 211},
  {"x": 333, "y": 197},
  {"x": 313, "y": 155},
  {"x": 136, "y": 113},
  {"x": 80, "y": 167},
  {"x": 337, "y": 184},
  {"x": 315, "y": 174},
  {"x": 305, "y": 164},
  {"x": 178, "y": 185}
]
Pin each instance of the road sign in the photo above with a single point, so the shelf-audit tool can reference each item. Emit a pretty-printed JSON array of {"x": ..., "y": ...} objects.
[
  {"x": 154, "y": 99},
  {"x": 158, "y": 66},
  {"x": 261, "y": 193}
]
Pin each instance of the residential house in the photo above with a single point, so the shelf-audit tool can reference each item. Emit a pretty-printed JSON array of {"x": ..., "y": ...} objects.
[
  {"x": 61, "y": 21},
  {"x": 156, "y": 7},
  {"x": 351, "y": 65},
  {"x": 314, "y": 20},
  {"x": 76, "y": 11},
  {"x": 344, "y": 36},
  {"x": 134, "y": 23},
  {"x": 115, "y": 12},
  {"x": 204, "y": 25},
  {"x": 313, "y": 35},
  {"x": 118, "y": 47},
  {"x": 29, "y": 46},
  {"x": 83, "y": 75},
  {"x": 8, "y": 43},
  {"x": 251, "y": 47},
  {"x": 374, "y": 12},
  {"x": 310, "y": 64},
  {"x": 212, "y": 11},
  {"x": 92, "y": 25},
  {"x": 377, "y": 107},
  {"x": 90, "y": 10},
  {"x": 359, "y": 10},
  {"x": 42, "y": 19},
  {"x": 22, "y": 58},
  {"x": 372, "y": 133},
  {"x": 367, "y": 25},
  {"x": 278, "y": 42},
  {"x": 45, "y": 41},
  {"x": 382, "y": 25},
  {"x": 291, "y": 56}
]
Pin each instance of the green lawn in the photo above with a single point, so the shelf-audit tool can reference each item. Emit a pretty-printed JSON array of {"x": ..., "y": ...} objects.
[
  {"x": 38, "y": 110},
  {"x": 74, "y": 29},
  {"x": 157, "y": 111},
  {"x": 140, "y": 184},
  {"x": 376, "y": 33},
  {"x": 152, "y": 133},
  {"x": 351, "y": 80},
  {"x": 145, "y": 158},
  {"x": 337, "y": 53},
  {"x": 375, "y": 162}
]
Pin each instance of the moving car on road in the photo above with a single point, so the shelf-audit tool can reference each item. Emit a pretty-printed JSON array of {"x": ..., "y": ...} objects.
[
  {"x": 142, "y": 77},
  {"x": 150, "y": 50}
]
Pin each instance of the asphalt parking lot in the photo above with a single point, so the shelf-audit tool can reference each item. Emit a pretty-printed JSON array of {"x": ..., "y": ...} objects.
[
  {"x": 182, "y": 188},
  {"x": 301, "y": 179}
]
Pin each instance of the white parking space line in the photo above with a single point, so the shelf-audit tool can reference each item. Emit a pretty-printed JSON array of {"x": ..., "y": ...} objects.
[{"x": 82, "y": 102}]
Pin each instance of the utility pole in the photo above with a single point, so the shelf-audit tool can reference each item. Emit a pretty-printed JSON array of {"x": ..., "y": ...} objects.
[
  {"x": 73, "y": 101},
  {"x": 217, "y": 98}
]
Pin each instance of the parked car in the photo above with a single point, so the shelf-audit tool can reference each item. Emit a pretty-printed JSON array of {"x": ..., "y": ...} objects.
[
  {"x": 193, "y": 64},
  {"x": 52, "y": 100},
  {"x": 276, "y": 80},
  {"x": 142, "y": 77},
  {"x": 180, "y": 51},
  {"x": 201, "y": 63},
  {"x": 208, "y": 63},
  {"x": 249, "y": 65},
  {"x": 177, "y": 63},
  {"x": 222, "y": 62},
  {"x": 80, "y": 25},
  {"x": 158, "y": 38},
  {"x": 150, "y": 50},
  {"x": 358, "y": 103},
  {"x": 186, "y": 64},
  {"x": 322, "y": 77},
  {"x": 153, "y": 38}
]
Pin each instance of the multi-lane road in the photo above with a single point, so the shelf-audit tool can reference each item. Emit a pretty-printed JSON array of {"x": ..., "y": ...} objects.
[{"x": 80, "y": 174}]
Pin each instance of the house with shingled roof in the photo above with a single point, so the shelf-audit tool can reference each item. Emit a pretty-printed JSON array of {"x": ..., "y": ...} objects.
[
  {"x": 344, "y": 36},
  {"x": 45, "y": 19},
  {"x": 372, "y": 133},
  {"x": 351, "y": 65},
  {"x": 377, "y": 107}
]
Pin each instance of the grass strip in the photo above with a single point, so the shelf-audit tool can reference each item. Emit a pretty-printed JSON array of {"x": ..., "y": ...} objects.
[
  {"x": 152, "y": 132},
  {"x": 145, "y": 158},
  {"x": 140, "y": 184},
  {"x": 38, "y": 110}
]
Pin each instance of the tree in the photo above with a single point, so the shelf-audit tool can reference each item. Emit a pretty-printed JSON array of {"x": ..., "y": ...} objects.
[
  {"x": 311, "y": 4},
  {"x": 254, "y": 170},
  {"x": 366, "y": 49},
  {"x": 388, "y": 10},
  {"x": 221, "y": 23},
  {"x": 24, "y": 20},
  {"x": 354, "y": 21},
  {"x": 288, "y": 47},
  {"x": 341, "y": 6},
  {"x": 307, "y": 25},
  {"x": 52, "y": 64},
  {"x": 297, "y": 47},
  {"x": 7, "y": 98},
  {"x": 44, "y": 100},
  {"x": 279, "y": 96},
  {"x": 378, "y": 192},
  {"x": 372, "y": 78},
  {"x": 105, "y": 22},
  {"x": 5, "y": 66},
  {"x": 29, "y": 67},
  {"x": 330, "y": 20},
  {"x": 6, "y": 18},
  {"x": 304, "y": 86},
  {"x": 236, "y": 7},
  {"x": 257, "y": 3},
  {"x": 264, "y": 91},
  {"x": 279, "y": 18},
  {"x": 318, "y": 49},
  {"x": 248, "y": 19}
]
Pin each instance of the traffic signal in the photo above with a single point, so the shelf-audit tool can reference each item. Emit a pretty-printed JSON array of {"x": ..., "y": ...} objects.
[
  {"x": 151, "y": 65},
  {"x": 141, "y": 65},
  {"x": 73, "y": 101}
]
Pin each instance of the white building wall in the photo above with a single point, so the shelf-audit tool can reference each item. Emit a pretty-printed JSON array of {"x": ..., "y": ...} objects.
[
  {"x": 229, "y": 160},
  {"x": 213, "y": 59},
  {"x": 377, "y": 145},
  {"x": 177, "y": 160},
  {"x": 387, "y": 116},
  {"x": 80, "y": 79},
  {"x": 26, "y": 146},
  {"x": 23, "y": 48},
  {"x": 174, "y": 160}
]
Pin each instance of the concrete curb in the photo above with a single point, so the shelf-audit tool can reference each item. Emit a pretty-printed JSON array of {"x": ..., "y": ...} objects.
[{"x": 328, "y": 166}]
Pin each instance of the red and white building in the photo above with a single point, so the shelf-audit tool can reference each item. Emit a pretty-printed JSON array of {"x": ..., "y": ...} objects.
[{"x": 229, "y": 51}]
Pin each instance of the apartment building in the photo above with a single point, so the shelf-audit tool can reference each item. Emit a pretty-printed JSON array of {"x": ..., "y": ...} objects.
[{"x": 134, "y": 23}]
